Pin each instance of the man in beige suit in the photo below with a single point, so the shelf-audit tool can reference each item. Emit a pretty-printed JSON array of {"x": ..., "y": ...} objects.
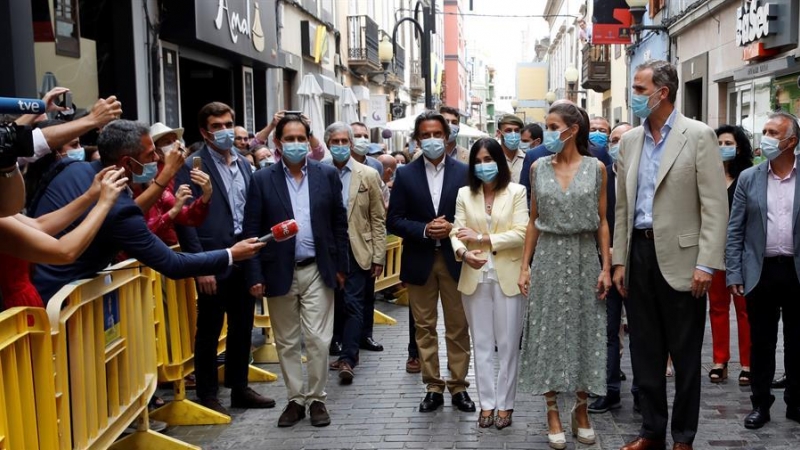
[
  {"x": 366, "y": 227},
  {"x": 671, "y": 216}
]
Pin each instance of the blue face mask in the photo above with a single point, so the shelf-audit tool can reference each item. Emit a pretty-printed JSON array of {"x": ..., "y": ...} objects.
[
  {"x": 524, "y": 145},
  {"x": 598, "y": 138},
  {"x": 453, "y": 133},
  {"x": 511, "y": 140},
  {"x": 727, "y": 152},
  {"x": 613, "y": 152},
  {"x": 149, "y": 171},
  {"x": 640, "y": 106},
  {"x": 553, "y": 142},
  {"x": 295, "y": 152},
  {"x": 361, "y": 145},
  {"x": 432, "y": 148},
  {"x": 78, "y": 154},
  {"x": 340, "y": 153},
  {"x": 223, "y": 139},
  {"x": 486, "y": 172},
  {"x": 770, "y": 147}
]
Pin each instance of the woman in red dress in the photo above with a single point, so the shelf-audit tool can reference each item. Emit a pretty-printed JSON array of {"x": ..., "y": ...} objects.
[{"x": 27, "y": 240}]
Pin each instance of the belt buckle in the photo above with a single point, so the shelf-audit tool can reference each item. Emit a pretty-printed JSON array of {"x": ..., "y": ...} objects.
[{"x": 648, "y": 233}]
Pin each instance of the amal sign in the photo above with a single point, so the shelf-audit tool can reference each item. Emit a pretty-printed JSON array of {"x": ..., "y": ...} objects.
[
  {"x": 240, "y": 24},
  {"x": 244, "y": 27},
  {"x": 753, "y": 22}
]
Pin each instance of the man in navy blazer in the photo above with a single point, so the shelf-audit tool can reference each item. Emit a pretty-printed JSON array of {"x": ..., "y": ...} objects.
[
  {"x": 298, "y": 275},
  {"x": 126, "y": 144},
  {"x": 421, "y": 211},
  {"x": 762, "y": 258},
  {"x": 223, "y": 292}
]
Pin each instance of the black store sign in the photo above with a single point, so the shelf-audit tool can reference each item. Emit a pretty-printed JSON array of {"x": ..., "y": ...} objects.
[{"x": 246, "y": 27}]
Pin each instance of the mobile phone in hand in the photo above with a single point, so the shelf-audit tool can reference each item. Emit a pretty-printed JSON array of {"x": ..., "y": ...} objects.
[{"x": 197, "y": 163}]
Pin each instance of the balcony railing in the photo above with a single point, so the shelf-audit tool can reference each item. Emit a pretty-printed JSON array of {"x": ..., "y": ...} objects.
[
  {"x": 596, "y": 67},
  {"x": 363, "y": 36}
]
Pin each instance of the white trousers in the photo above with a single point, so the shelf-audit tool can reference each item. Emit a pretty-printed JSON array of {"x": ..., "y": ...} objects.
[
  {"x": 307, "y": 311},
  {"x": 495, "y": 318}
]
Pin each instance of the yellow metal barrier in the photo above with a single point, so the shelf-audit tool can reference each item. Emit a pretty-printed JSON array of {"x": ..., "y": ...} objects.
[
  {"x": 390, "y": 276},
  {"x": 28, "y": 418},
  {"x": 105, "y": 361},
  {"x": 175, "y": 311}
]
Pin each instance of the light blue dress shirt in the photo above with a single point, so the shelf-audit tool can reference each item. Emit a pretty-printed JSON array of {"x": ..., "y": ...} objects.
[
  {"x": 345, "y": 174},
  {"x": 649, "y": 163},
  {"x": 301, "y": 206},
  {"x": 235, "y": 189}
]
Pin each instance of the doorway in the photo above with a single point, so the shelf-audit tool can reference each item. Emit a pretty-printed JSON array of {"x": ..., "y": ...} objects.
[
  {"x": 693, "y": 100},
  {"x": 201, "y": 84}
]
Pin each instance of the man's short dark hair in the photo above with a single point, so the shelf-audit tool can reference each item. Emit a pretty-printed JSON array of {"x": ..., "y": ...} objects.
[
  {"x": 430, "y": 115},
  {"x": 287, "y": 119},
  {"x": 214, "y": 109},
  {"x": 535, "y": 131},
  {"x": 449, "y": 110},
  {"x": 121, "y": 138},
  {"x": 664, "y": 75}
]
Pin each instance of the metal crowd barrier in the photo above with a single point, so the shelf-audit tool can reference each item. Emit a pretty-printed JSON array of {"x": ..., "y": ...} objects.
[
  {"x": 391, "y": 274},
  {"x": 28, "y": 418},
  {"x": 104, "y": 352}
]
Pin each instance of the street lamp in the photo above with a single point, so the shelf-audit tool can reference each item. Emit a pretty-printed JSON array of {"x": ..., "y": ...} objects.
[
  {"x": 637, "y": 9},
  {"x": 386, "y": 56},
  {"x": 571, "y": 75},
  {"x": 428, "y": 26},
  {"x": 550, "y": 97},
  {"x": 514, "y": 104}
]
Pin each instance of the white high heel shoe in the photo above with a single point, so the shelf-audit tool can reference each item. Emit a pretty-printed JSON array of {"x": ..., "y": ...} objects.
[
  {"x": 584, "y": 435},
  {"x": 557, "y": 441}
]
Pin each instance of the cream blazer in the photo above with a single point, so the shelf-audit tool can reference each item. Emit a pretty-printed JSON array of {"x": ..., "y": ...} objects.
[
  {"x": 366, "y": 217},
  {"x": 690, "y": 204},
  {"x": 504, "y": 238}
]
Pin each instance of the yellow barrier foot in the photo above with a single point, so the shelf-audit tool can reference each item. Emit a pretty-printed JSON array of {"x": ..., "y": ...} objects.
[
  {"x": 383, "y": 319},
  {"x": 187, "y": 412},
  {"x": 266, "y": 354},
  {"x": 151, "y": 439},
  {"x": 402, "y": 297},
  {"x": 254, "y": 375}
]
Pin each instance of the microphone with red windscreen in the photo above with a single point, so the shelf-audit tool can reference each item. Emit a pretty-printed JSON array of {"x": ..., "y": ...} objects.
[{"x": 281, "y": 232}]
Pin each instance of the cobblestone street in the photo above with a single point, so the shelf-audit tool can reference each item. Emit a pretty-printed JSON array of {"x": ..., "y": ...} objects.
[{"x": 379, "y": 411}]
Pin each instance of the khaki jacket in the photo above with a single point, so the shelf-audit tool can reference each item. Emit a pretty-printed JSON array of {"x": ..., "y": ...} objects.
[
  {"x": 366, "y": 217},
  {"x": 690, "y": 203},
  {"x": 503, "y": 238}
]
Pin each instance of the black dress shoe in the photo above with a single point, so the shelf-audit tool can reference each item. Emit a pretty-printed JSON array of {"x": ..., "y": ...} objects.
[
  {"x": 779, "y": 383},
  {"x": 248, "y": 398},
  {"x": 760, "y": 414},
  {"x": 793, "y": 413},
  {"x": 431, "y": 402},
  {"x": 336, "y": 348},
  {"x": 371, "y": 345},
  {"x": 604, "y": 404},
  {"x": 462, "y": 401}
]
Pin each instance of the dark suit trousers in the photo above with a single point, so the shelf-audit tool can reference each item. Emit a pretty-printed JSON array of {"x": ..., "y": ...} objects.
[
  {"x": 234, "y": 299},
  {"x": 614, "y": 302},
  {"x": 369, "y": 308},
  {"x": 776, "y": 294},
  {"x": 348, "y": 318},
  {"x": 664, "y": 322}
]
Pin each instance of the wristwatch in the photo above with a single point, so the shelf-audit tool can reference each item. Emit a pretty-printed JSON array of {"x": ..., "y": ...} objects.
[
  {"x": 480, "y": 239},
  {"x": 11, "y": 172}
]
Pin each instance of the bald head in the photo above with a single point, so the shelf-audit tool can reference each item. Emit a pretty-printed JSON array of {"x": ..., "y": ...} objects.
[
  {"x": 241, "y": 139},
  {"x": 389, "y": 164}
]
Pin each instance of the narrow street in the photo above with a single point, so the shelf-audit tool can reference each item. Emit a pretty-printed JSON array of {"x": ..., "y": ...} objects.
[{"x": 379, "y": 411}]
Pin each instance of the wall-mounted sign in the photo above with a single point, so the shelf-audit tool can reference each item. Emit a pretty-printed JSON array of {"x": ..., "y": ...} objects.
[
  {"x": 377, "y": 111},
  {"x": 611, "y": 22},
  {"x": 764, "y": 68},
  {"x": 764, "y": 28},
  {"x": 246, "y": 27}
]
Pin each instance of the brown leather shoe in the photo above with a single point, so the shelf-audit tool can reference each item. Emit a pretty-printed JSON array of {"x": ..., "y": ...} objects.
[
  {"x": 641, "y": 443},
  {"x": 293, "y": 413},
  {"x": 413, "y": 365},
  {"x": 319, "y": 414},
  {"x": 334, "y": 365},
  {"x": 682, "y": 446},
  {"x": 345, "y": 372},
  {"x": 248, "y": 398}
]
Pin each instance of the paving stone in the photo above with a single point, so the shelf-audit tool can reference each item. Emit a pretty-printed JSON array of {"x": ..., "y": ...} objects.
[{"x": 379, "y": 411}]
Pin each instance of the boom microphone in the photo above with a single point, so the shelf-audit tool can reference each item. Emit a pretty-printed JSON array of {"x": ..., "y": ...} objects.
[
  {"x": 281, "y": 232},
  {"x": 21, "y": 106}
]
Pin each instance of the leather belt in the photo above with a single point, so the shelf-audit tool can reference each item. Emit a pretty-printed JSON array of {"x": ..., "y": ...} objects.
[
  {"x": 646, "y": 233},
  {"x": 780, "y": 259},
  {"x": 305, "y": 262}
]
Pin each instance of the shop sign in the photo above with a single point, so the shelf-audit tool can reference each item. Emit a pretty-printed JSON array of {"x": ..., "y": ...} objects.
[
  {"x": 764, "y": 28},
  {"x": 241, "y": 26},
  {"x": 765, "y": 68},
  {"x": 377, "y": 111}
]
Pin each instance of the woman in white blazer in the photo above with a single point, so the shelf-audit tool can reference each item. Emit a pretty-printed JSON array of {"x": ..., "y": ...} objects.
[{"x": 488, "y": 236}]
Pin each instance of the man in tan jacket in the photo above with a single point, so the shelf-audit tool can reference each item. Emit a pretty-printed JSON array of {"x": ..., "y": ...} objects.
[
  {"x": 366, "y": 227},
  {"x": 669, "y": 238}
]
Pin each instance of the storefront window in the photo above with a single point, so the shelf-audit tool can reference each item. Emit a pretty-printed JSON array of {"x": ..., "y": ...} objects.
[
  {"x": 749, "y": 105},
  {"x": 787, "y": 94}
]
